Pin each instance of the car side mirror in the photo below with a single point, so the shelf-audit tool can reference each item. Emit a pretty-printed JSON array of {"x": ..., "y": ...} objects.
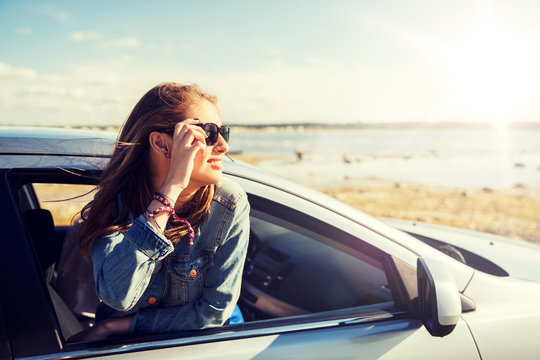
[{"x": 439, "y": 300}]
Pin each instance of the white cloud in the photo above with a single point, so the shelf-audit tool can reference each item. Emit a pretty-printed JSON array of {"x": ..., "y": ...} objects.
[
  {"x": 108, "y": 44},
  {"x": 169, "y": 46},
  {"x": 18, "y": 73},
  {"x": 104, "y": 94},
  {"x": 80, "y": 36},
  {"x": 123, "y": 43},
  {"x": 77, "y": 98},
  {"x": 23, "y": 30},
  {"x": 278, "y": 94}
]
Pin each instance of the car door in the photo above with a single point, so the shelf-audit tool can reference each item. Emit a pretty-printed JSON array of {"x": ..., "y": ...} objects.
[
  {"x": 387, "y": 328},
  {"x": 383, "y": 327}
]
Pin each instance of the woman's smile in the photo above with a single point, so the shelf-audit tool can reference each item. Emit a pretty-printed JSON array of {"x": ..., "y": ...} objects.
[{"x": 216, "y": 163}]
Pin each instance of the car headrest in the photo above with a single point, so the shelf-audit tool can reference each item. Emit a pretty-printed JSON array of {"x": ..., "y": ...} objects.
[{"x": 40, "y": 226}]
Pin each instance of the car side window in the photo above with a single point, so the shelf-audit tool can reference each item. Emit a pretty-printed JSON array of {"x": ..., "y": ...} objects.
[
  {"x": 64, "y": 201},
  {"x": 292, "y": 267},
  {"x": 290, "y": 273},
  {"x": 67, "y": 275}
]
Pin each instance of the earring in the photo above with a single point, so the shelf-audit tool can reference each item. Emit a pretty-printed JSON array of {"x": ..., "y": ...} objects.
[{"x": 167, "y": 155}]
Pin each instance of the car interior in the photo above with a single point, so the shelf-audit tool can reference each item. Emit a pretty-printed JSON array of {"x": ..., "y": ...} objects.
[{"x": 291, "y": 269}]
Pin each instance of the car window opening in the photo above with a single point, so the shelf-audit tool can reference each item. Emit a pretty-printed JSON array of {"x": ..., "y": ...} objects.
[{"x": 288, "y": 272}]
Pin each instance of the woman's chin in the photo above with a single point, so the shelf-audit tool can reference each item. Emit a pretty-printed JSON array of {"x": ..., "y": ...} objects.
[{"x": 208, "y": 180}]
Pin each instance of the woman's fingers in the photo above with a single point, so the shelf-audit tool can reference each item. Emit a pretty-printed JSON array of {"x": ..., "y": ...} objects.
[
  {"x": 188, "y": 124},
  {"x": 188, "y": 140},
  {"x": 186, "y": 132}
]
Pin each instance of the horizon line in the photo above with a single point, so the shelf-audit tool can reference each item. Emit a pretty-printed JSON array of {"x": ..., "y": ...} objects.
[{"x": 352, "y": 125}]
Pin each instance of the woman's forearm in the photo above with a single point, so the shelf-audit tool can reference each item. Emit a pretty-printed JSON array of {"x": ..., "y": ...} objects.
[{"x": 104, "y": 329}]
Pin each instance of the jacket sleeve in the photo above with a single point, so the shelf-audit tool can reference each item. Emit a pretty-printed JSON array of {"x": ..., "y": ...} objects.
[
  {"x": 123, "y": 263},
  {"x": 221, "y": 288}
]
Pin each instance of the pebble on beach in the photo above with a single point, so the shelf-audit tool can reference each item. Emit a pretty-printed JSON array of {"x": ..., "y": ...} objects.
[{"x": 346, "y": 159}]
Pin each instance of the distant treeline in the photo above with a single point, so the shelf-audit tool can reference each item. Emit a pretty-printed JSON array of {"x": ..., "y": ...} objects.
[{"x": 387, "y": 125}]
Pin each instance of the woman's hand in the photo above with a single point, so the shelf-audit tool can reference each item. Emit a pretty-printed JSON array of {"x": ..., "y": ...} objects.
[
  {"x": 104, "y": 329},
  {"x": 188, "y": 140}
]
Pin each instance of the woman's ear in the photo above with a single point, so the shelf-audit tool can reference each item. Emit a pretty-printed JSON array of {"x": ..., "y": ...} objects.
[{"x": 160, "y": 143}]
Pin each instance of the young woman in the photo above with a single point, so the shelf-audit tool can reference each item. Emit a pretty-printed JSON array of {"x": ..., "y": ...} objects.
[{"x": 166, "y": 233}]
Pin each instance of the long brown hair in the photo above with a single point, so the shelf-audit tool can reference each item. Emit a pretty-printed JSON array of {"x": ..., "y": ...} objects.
[{"x": 124, "y": 189}]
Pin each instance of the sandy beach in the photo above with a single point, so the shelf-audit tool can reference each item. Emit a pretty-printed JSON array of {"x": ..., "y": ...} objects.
[{"x": 511, "y": 212}]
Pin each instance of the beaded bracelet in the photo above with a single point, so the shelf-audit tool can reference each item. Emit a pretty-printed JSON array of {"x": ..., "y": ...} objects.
[
  {"x": 171, "y": 211},
  {"x": 164, "y": 199}
]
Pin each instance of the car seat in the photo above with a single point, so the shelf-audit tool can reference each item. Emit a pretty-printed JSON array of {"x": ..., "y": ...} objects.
[{"x": 40, "y": 227}]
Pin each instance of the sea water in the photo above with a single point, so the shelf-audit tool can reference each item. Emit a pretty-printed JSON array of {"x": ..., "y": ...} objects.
[{"x": 463, "y": 157}]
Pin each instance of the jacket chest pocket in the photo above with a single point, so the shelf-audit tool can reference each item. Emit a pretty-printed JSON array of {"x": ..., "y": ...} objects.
[{"x": 186, "y": 277}]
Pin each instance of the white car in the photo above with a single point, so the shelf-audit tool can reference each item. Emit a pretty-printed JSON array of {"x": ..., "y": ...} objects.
[{"x": 322, "y": 279}]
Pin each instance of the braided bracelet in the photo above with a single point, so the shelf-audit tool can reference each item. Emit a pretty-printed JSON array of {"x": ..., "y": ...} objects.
[
  {"x": 150, "y": 216},
  {"x": 164, "y": 199},
  {"x": 171, "y": 211}
]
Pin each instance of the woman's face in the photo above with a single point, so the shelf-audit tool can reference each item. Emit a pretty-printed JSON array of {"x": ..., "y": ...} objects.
[{"x": 208, "y": 166}]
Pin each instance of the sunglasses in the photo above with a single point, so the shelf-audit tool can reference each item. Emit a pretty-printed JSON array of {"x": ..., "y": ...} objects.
[{"x": 212, "y": 130}]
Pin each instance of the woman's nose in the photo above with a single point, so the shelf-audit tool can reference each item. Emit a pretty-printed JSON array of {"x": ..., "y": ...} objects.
[{"x": 221, "y": 146}]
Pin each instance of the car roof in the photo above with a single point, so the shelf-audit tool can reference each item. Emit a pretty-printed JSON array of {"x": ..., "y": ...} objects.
[
  {"x": 54, "y": 147},
  {"x": 48, "y": 141}
]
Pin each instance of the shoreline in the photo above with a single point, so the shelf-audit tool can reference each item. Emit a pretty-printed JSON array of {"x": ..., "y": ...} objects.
[
  {"x": 342, "y": 169},
  {"x": 510, "y": 212}
]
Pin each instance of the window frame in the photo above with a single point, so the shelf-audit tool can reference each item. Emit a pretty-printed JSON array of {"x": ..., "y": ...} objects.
[{"x": 27, "y": 307}]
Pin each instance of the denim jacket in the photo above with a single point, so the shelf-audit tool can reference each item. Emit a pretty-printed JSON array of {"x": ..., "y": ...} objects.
[{"x": 175, "y": 287}]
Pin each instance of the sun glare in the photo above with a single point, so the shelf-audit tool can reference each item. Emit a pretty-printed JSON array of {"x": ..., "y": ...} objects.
[
  {"x": 491, "y": 74},
  {"x": 489, "y": 71}
]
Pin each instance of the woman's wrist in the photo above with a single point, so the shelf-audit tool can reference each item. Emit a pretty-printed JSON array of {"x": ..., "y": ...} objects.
[
  {"x": 155, "y": 213},
  {"x": 171, "y": 191},
  {"x": 156, "y": 217}
]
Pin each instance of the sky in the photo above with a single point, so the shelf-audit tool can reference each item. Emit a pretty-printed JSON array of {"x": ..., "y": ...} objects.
[{"x": 87, "y": 63}]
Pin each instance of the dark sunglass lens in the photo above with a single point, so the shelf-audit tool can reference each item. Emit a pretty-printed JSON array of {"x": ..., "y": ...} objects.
[
  {"x": 225, "y": 132},
  {"x": 212, "y": 131}
]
